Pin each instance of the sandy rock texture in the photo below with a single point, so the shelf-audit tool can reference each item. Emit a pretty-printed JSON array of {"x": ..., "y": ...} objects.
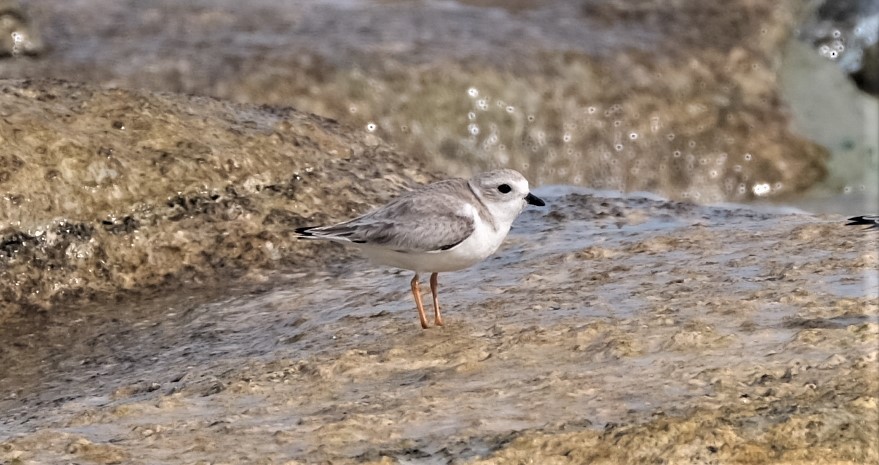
[
  {"x": 677, "y": 97},
  {"x": 607, "y": 330},
  {"x": 113, "y": 190}
]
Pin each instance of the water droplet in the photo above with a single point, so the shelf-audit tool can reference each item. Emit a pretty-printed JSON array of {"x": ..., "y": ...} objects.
[
  {"x": 566, "y": 137},
  {"x": 473, "y": 129},
  {"x": 371, "y": 127},
  {"x": 747, "y": 157},
  {"x": 633, "y": 135},
  {"x": 510, "y": 109},
  {"x": 761, "y": 189},
  {"x": 471, "y": 116},
  {"x": 473, "y": 92}
]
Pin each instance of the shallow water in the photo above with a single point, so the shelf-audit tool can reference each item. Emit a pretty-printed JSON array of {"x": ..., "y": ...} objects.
[{"x": 597, "y": 310}]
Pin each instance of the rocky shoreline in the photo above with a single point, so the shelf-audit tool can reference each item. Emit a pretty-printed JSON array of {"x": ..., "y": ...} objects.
[
  {"x": 606, "y": 330},
  {"x": 156, "y": 307}
]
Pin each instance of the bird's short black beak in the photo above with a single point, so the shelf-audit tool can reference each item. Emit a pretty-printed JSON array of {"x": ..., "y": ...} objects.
[{"x": 534, "y": 200}]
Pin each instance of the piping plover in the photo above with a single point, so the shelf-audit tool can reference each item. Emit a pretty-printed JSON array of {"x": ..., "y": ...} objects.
[
  {"x": 445, "y": 226},
  {"x": 872, "y": 221}
]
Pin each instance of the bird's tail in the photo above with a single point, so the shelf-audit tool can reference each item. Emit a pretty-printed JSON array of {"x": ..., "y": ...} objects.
[
  {"x": 872, "y": 221},
  {"x": 338, "y": 233},
  {"x": 305, "y": 233}
]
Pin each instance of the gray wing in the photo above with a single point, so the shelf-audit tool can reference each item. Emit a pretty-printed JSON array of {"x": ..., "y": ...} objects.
[{"x": 429, "y": 220}]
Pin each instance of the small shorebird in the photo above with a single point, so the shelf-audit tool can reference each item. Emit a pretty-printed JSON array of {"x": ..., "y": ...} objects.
[{"x": 445, "y": 226}]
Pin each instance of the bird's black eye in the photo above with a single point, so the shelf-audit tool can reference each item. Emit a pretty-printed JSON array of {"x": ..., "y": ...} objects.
[{"x": 504, "y": 188}]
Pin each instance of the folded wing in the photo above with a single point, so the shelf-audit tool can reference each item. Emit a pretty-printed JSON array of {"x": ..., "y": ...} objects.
[{"x": 409, "y": 224}]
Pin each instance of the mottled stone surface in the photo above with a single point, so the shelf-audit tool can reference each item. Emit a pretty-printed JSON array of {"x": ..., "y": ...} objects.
[{"x": 111, "y": 190}]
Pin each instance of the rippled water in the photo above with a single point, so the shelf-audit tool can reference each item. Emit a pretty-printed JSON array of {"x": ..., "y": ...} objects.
[{"x": 597, "y": 308}]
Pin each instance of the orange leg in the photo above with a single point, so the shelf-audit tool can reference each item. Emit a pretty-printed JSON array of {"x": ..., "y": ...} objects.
[
  {"x": 416, "y": 292},
  {"x": 437, "y": 318}
]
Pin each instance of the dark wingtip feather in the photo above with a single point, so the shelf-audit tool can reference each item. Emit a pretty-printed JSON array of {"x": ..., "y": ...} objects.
[
  {"x": 870, "y": 220},
  {"x": 305, "y": 232}
]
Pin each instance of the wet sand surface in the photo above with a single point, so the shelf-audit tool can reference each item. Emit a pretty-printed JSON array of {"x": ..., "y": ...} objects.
[{"x": 606, "y": 330}]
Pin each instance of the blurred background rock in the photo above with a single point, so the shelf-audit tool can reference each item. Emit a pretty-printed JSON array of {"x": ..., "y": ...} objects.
[{"x": 689, "y": 99}]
